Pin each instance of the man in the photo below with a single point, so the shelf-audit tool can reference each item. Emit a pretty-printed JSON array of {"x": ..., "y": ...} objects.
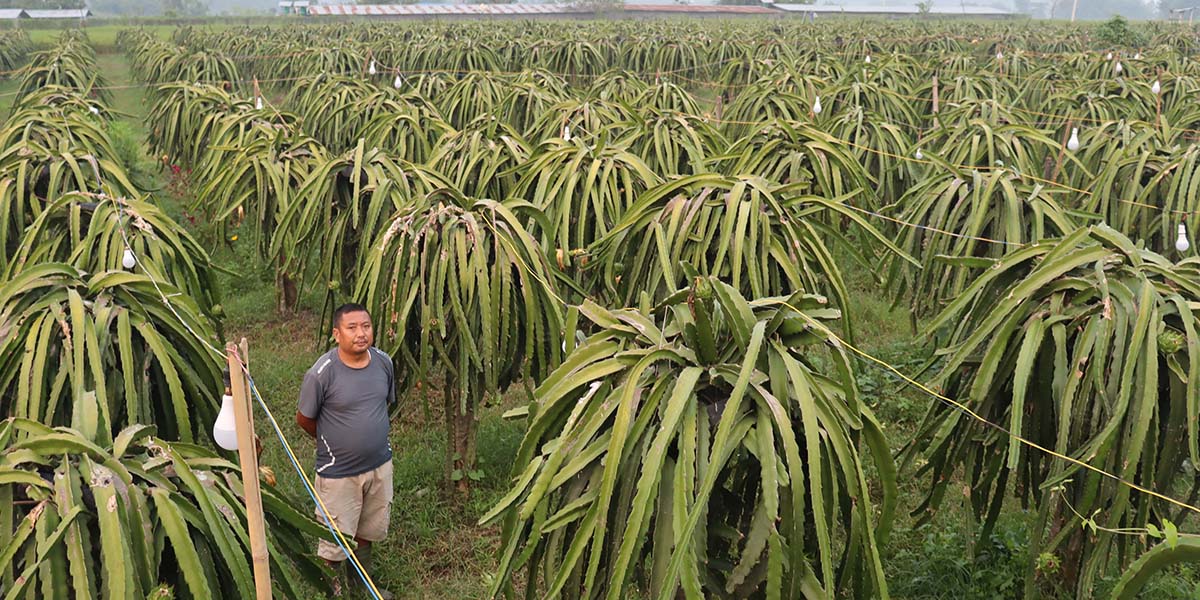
[{"x": 344, "y": 403}]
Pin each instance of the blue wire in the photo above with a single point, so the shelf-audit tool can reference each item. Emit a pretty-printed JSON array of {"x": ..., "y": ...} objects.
[{"x": 311, "y": 492}]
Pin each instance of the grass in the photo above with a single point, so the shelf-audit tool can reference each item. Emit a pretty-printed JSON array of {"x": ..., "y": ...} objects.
[{"x": 435, "y": 550}]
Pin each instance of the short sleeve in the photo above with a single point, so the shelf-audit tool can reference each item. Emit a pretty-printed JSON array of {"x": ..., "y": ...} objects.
[
  {"x": 391, "y": 400},
  {"x": 312, "y": 396}
]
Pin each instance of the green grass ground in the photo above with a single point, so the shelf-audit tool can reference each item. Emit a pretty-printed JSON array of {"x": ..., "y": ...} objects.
[{"x": 435, "y": 550}]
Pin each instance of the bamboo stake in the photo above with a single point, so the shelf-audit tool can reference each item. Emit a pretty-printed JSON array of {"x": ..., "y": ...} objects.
[
  {"x": 936, "y": 96},
  {"x": 1158, "y": 99},
  {"x": 248, "y": 457},
  {"x": 1062, "y": 149}
]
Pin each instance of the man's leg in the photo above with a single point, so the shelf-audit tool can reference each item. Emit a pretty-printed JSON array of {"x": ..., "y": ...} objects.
[
  {"x": 373, "y": 521},
  {"x": 344, "y": 499}
]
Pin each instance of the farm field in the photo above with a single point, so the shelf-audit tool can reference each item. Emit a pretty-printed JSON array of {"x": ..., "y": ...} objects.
[{"x": 749, "y": 309}]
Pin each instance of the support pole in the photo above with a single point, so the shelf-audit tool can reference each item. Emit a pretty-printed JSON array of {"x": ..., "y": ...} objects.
[
  {"x": 936, "y": 98},
  {"x": 248, "y": 457}
]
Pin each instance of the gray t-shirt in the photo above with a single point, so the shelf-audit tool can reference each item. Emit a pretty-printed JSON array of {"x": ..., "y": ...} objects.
[{"x": 351, "y": 409}]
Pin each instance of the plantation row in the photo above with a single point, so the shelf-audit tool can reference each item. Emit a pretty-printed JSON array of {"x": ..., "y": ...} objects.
[
  {"x": 995, "y": 130},
  {"x": 700, "y": 50},
  {"x": 471, "y": 209},
  {"x": 14, "y": 50},
  {"x": 656, "y": 251},
  {"x": 104, "y": 385}
]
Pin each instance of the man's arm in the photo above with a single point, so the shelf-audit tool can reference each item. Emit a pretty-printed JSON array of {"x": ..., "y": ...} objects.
[
  {"x": 311, "y": 399},
  {"x": 307, "y": 424}
]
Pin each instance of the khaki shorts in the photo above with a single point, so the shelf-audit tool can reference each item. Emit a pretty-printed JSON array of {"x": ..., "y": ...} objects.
[{"x": 360, "y": 507}]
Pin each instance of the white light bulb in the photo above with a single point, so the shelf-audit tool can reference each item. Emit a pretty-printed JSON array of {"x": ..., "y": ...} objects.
[
  {"x": 1073, "y": 143},
  {"x": 371, "y": 69},
  {"x": 258, "y": 104},
  {"x": 1118, "y": 69},
  {"x": 128, "y": 260},
  {"x": 918, "y": 154},
  {"x": 1156, "y": 89},
  {"x": 566, "y": 133},
  {"x": 1108, "y": 56},
  {"x": 225, "y": 428},
  {"x": 1181, "y": 242},
  {"x": 868, "y": 59},
  {"x": 817, "y": 106}
]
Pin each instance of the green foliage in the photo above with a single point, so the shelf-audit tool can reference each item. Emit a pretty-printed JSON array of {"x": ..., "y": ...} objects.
[
  {"x": 101, "y": 352},
  {"x": 1059, "y": 343},
  {"x": 938, "y": 562},
  {"x": 121, "y": 519},
  {"x": 1118, "y": 33},
  {"x": 131, "y": 155},
  {"x": 459, "y": 286},
  {"x": 709, "y": 446},
  {"x": 620, "y": 160}
]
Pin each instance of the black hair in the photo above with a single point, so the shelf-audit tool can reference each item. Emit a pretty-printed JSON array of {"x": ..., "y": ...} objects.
[{"x": 345, "y": 309}]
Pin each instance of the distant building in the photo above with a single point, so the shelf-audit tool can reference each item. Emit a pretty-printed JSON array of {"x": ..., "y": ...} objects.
[
  {"x": 12, "y": 14},
  {"x": 897, "y": 9},
  {"x": 294, "y": 7},
  {"x": 650, "y": 8},
  {"x": 64, "y": 13}
]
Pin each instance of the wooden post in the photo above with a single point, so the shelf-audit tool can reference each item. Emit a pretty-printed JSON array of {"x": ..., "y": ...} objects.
[
  {"x": 1062, "y": 148},
  {"x": 935, "y": 101},
  {"x": 1158, "y": 98},
  {"x": 244, "y": 419}
]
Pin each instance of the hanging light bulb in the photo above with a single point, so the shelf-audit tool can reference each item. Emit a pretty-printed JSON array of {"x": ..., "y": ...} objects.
[
  {"x": 371, "y": 68},
  {"x": 817, "y": 106},
  {"x": 128, "y": 260},
  {"x": 1073, "y": 143},
  {"x": 1118, "y": 69},
  {"x": 918, "y": 154},
  {"x": 258, "y": 103},
  {"x": 399, "y": 81},
  {"x": 1181, "y": 242},
  {"x": 225, "y": 427},
  {"x": 1156, "y": 89}
]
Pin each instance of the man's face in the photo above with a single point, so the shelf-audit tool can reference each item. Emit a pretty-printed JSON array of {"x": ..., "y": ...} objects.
[{"x": 353, "y": 333}]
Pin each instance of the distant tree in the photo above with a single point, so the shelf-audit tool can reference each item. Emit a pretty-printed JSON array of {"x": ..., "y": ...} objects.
[
  {"x": 1117, "y": 32},
  {"x": 184, "y": 8}
]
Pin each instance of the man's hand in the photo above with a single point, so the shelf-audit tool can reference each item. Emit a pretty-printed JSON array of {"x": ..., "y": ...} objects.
[{"x": 307, "y": 424}]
